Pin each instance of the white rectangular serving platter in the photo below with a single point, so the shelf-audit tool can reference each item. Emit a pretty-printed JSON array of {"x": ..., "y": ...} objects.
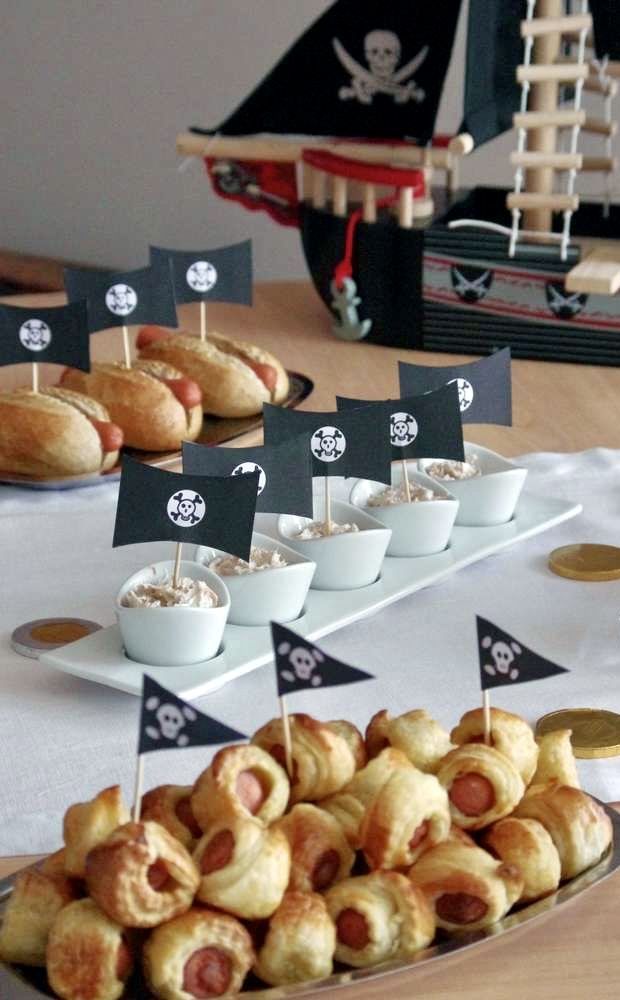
[{"x": 100, "y": 657}]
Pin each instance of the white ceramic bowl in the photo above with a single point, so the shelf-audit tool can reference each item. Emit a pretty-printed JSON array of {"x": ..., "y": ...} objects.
[
  {"x": 487, "y": 499},
  {"x": 172, "y": 637},
  {"x": 420, "y": 528},
  {"x": 268, "y": 594},
  {"x": 343, "y": 562}
]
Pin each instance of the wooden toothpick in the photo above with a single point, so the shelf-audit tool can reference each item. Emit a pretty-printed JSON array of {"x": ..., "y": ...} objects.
[
  {"x": 288, "y": 744},
  {"x": 486, "y": 710},
  {"x": 406, "y": 480},
  {"x": 35, "y": 376},
  {"x": 203, "y": 319},
  {"x": 328, "y": 507},
  {"x": 137, "y": 792},
  {"x": 177, "y": 565},
  {"x": 126, "y": 348}
]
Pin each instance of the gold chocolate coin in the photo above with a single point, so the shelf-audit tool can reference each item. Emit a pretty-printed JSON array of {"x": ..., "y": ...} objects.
[
  {"x": 595, "y": 731},
  {"x": 40, "y": 636},
  {"x": 586, "y": 562}
]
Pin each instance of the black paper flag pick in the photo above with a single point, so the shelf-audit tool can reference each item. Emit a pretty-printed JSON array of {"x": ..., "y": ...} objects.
[
  {"x": 351, "y": 443},
  {"x": 58, "y": 334},
  {"x": 426, "y": 426},
  {"x": 504, "y": 661},
  {"x": 122, "y": 298},
  {"x": 284, "y": 471},
  {"x": 223, "y": 274},
  {"x": 154, "y": 505},
  {"x": 300, "y": 664},
  {"x": 484, "y": 387},
  {"x": 167, "y": 722}
]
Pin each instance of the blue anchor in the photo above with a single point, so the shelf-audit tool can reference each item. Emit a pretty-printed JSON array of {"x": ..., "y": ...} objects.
[{"x": 345, "y": 301}]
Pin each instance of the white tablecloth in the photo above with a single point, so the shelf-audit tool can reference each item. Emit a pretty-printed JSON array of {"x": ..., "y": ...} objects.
[{"x": 63, "y": 738}]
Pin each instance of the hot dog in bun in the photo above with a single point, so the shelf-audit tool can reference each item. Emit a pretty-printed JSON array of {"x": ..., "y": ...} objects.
[
  {"x": 235, "y": 377},
  {"x": 56, "y": 432}
]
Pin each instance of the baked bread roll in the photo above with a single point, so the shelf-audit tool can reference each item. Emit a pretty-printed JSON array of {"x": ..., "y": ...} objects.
[
  {"x": 408, "y": 815},
  {"x": 88, "y": 954},
  {"x": 526, "y": 844},
  {"x": 55, "y": 432},
  {"x": 244, "y": 867},
  {"x": 241, "y": 781},
  {"x": 300, "y": 942},
  {"x": 170, "y": 806},
  {"x": 416, "y": 733},
  {"x": 320, "y": 854},
  {"x": 323, "y": 761},
  {"x": 349, "y": 805},
  {"x": 87, "y": 824},
  {"x": 34, "y": 903},
  {"x": 235, "y": 377},
  {"x": 199, "y": 954},
  {"x": 156, "y": 406},
  {"x": 353, "y": 737},
  {"x": 54, "y": 864},
  {"x": 510, "y": 734},
  {"x": 482, "y": 785},
  {"x": 578, "y": 826},
  {"x": 141, "y": 875},
  {"x": 556, "y": 760},
  {"x": 378, "y": 917},
  {"x": 465, "y": 886}
]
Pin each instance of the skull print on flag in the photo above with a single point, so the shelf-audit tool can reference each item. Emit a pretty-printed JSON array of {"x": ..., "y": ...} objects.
[
  {"x": 484, "y": 387},
  {"x": 168, "y": 723},
  {"x": 55, "y": 333},
  {"x": 300, "y": 664},
  {"x": 284, "y": 471},
  {"x": 223, "y": 274},
  {"x": 503, "y": 660},
  {"x": 346, "y": 443},
  {"x": 154, "y": 505},
  {"x": 145, "y": 295},
  {"x": 427, "y": 426}
]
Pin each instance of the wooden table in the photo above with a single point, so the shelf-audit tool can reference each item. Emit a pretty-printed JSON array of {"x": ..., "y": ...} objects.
[{"x": 571, "y": 955}]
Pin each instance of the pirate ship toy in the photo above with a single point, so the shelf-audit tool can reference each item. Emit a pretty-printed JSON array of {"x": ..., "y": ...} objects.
[{"x": 533, "y": 268}]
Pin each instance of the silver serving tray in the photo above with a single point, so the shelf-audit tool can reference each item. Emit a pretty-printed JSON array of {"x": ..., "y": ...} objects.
[{"x": 23, "y": 983}]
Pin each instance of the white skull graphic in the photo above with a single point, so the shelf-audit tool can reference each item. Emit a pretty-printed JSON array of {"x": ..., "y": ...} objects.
[
  {"x": 186, "y": 509},
  {"x": 303, "y": 661},
  {"x": 35, "y": 335},
  {"x": 171, "y": 720},
  {"x": 466, "y": 392},
  {"x": 403, "y": 429},
  {"x": 382, "y": 50},
  {"x": 247, "y": 467},
  {"x": 328, "y": 444},
  {"x": 201, "y": 276},
  {"x": 121, "y": 299},
  {"x": 504, "y": 656}
]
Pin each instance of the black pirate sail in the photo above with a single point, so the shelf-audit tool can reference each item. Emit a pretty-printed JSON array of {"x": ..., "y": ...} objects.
[{"x": 397, "y": 261}]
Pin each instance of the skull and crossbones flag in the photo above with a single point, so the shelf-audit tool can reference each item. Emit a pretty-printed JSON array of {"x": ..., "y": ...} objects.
[
  {"x": 56, "y": 333},
  {"x": 346, "y": 443},
  {"x": 155, "y": 505},
  {"x": 484, "y": 387},
  {"x": 223, "y": 274},
  {"x": 503, "y": 660},
  {"x": 300, "y": 664},
  {"x": 427, "y": 426},
  {"x": 124, "y": 298},
  {"x": 284, "y": 471},
  {"x": 169, "y": 723}
]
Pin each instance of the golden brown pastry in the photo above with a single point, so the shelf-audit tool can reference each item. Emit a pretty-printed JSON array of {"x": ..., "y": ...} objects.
[
  {"x": 141, "y": 875},
  {"x": 482, "y": 784},
  {"x": 55, "y": 432},
  {"x": 235, "y": 377},
  {"x": 556, "y": 760},
  {"x": 300, "y": 942},
  {"x": 170, "y": 806},
  {"x": 320, "y": 854},
  {"x": 526, "y": 844},
  {"x": 54, "y": 864},
  {"x": 87, "y": 824},
  {"x": 199, "y": 954},
  {"x": 33, "y": 905},
  {"x": 379, "y": 917},
  {"x": 578, "y": 826},
  {"x": 242, "y": 781},
  {"x": 510, "y": 734},
  {"x": 323, "y": 761},
  {"x": 156, "y": 406},
  {"x": 416, "y": 733},
  {"x": 88, "y": 955},
  {"x": 465, "y": 886},
  {"x": 349, "y": 805},
  {"x": 408, "y": 815},
  {"x": 244, "y": 867},
  {"x": 354, "y": 738}
]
